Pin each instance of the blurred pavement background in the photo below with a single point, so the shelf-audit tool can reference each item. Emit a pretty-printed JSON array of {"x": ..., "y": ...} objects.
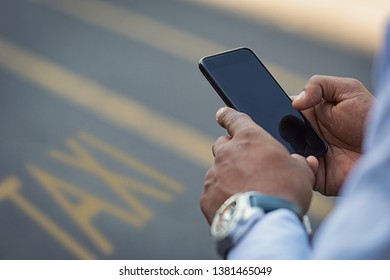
[{"x": 106, "y": 123}]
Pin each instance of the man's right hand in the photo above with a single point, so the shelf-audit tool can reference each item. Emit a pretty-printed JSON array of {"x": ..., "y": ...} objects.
[{"x": 337, "y": 108}]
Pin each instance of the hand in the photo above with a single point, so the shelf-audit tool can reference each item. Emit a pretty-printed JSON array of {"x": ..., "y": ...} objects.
[
  {"x": 250, "y": 159},
  {"x": 337, "y": 108}
]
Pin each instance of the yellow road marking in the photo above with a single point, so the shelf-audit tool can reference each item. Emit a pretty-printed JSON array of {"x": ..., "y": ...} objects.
[
  {"x": 356, "y": 24},
  {"x": 107, "y": 104},
  {"x": 113, "y": 106},
  {"x": 177, "y": 43},
  {"x": 131, "y": 162},
  {"x": 137, "y": 27},
  {"x": 159, "y": 35},
  {"x": 88, "y": 207},
  {"x": 10, "y": 189}
]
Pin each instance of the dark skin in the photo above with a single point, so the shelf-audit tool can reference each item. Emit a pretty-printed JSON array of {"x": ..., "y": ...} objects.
[
  {"x": 338, "y": 110},
  {"x": 246, "y": 160},
  {"x": 249, "y": 159}
]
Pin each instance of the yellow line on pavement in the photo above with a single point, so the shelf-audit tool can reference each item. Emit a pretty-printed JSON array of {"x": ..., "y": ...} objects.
[
  {"x": 180, "y": 44},
  {"x": 107, "y": 104},
  {"x": 127, "y": 23},
  {"x": 159, "y": 35},
  {"x": 10, "y": 189},
  {"x": 356, "y": 24},
  {"x": 113, "y": 107}
]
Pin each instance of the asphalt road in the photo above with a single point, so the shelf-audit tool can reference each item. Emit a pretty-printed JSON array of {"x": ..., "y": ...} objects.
[{"x": 106, "y": 123}]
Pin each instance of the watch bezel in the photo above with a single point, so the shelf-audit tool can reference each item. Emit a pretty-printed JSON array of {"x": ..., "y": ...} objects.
[{"x": 243, "y": 210}]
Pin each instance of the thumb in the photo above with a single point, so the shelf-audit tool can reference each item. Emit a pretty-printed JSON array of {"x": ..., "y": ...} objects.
[{"x": 332, "y": 89}]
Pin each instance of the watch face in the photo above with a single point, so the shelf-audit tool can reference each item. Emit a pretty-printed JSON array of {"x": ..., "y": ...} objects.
[
  {"x": 225, "y": 217},
  {"x": 233, "y": 219}
]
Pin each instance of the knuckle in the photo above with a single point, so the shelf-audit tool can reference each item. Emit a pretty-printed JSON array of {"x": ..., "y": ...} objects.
[
  {"x": 355, "y": 83},
  {"x": 220, "y": 142},
  {"x": 235, "y": 119},
  {"x": 315, "y": 78},
  {"x": 314, "y": 82},
  {"x": 249, "y": 133},
  {"x": 209, "y": 174},
  {"x": 229, "y": 116},
  {"x": 222, "y": 153},
  {"x": 203, "y": 201}
]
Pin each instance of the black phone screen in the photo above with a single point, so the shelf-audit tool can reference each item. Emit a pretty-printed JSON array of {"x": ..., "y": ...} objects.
[{"x": 245, "y": 84}]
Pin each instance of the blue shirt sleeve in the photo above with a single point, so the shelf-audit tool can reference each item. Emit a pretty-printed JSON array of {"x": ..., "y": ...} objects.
[
  {"x": 279, "y": 235},
  {"x": 382, "y": 64}
]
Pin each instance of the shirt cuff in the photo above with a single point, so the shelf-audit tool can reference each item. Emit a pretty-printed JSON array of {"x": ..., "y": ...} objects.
[{"x": 277, "y": 235}]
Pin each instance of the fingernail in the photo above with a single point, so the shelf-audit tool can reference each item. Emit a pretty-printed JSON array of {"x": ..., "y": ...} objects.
[
  {"x": 300, "y": 96},
  {"x": 219, "y": 112}
]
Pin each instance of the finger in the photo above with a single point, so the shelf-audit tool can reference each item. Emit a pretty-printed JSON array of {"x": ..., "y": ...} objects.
[
  {"x": 313, "y": 163},
  {"x": 332, "y": 89},
  {"x": 304, "y": 161},
  {"x": 298, "y": 157},
  {"x": 219, "y": 142},
  {"x": 233, "y": 121}
]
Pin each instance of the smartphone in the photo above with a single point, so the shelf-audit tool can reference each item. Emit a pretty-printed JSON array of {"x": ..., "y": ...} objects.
[{"x": 245, "y": 84}]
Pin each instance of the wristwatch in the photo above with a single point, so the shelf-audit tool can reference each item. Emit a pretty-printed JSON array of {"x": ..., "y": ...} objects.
[{"x": 240, "y": 212}]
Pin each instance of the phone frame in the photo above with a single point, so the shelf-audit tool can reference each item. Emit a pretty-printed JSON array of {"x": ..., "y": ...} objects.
[{"x": 225, "y": 97}]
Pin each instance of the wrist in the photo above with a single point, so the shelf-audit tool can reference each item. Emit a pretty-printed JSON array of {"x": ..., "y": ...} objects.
[{"x": 240, "y": 212}]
